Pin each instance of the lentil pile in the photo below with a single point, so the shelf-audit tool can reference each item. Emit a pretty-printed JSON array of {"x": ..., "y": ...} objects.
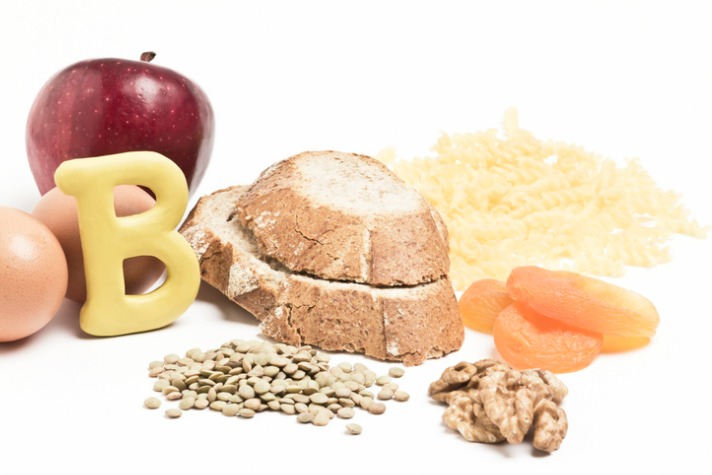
[{"x": 242, "y": 378}]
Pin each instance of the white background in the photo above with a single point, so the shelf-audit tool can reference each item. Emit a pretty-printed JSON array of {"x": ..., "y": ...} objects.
[{"x": 623, "y": 78}]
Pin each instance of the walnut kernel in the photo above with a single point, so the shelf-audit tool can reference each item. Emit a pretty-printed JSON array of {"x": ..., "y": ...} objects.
[{"x": 488, "y": 402}]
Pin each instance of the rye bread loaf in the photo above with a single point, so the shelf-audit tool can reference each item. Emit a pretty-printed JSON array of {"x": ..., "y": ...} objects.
[
  {"x": 402, "y": 323},
  {"x": 343, "y": 216}
]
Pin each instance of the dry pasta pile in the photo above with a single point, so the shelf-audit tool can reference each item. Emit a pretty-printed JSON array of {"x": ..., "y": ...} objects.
[{"x": 517, "y": 200}]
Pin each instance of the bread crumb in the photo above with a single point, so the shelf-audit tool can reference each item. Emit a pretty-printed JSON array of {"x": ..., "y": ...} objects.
[
  {"x": 197, "y": 239},
  {"x": 241, "y": 281},
  {"x": 266, "y": 218}
]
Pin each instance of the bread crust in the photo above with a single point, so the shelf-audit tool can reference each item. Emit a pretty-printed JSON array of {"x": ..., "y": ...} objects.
[
  {"x": 408, "y": 324},
  {"x": 380, "y": 242}
]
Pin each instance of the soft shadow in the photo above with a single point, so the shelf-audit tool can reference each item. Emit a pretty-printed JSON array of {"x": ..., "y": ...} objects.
[
  {"x": 529, "y": 440},
  {"x": 229, "y": 309},
  {"x": 67, "y": 319},
  {"x": 502, "y": 448},
  {"x": 7, "y": 347}
]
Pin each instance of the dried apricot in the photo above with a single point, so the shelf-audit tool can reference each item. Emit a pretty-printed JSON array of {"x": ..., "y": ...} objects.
[
  {"x": 525, "y": 339},
  {"x": 583, "y": 302},
  {"x": 481, "y": 303}
]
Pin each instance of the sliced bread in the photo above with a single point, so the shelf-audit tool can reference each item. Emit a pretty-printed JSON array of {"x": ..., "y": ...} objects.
[
  {"x": 344, "y": 216},
  {"x": 398, "y": 323}
]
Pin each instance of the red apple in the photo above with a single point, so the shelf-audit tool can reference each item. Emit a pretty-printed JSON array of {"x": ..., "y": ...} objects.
[{"x": 105, "y": 106}]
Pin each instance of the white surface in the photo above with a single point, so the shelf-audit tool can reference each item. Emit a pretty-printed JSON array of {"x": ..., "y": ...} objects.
[{"x": 621, "y": 78}]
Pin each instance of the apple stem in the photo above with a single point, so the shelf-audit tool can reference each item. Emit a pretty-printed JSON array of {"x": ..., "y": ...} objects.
[{"x": 147, "y": 56}]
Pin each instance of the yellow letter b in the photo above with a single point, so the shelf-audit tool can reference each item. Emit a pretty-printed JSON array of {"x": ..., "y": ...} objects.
[{"x": 107, "y": 240}]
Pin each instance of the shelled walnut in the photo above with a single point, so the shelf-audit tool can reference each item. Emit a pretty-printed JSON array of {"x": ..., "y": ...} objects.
[{"x": 489, "y": 402}]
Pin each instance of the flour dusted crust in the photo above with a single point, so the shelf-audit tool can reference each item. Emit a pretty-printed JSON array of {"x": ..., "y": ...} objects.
[
  {"x": 343, "y": 216},
  {"x": 403, "y": 323}
]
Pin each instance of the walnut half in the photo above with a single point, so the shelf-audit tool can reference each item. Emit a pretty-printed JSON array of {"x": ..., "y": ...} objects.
[{"x": 488, "y": 401}]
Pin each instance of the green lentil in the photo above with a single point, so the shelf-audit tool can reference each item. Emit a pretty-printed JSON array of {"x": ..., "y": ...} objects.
[
  {"x": 200, "y": 403},
  {"x": 173, "y": 413},
  {"x": 342, "y": 392},
  {"x": 253, "y": 404},
  {"x": 186, "y": 403},
  {"x": 231, "y": 409},
  {"x": 321, "y": 419},
  {"x": 345, "y": 413},
  {"x": 377, "y": 408},
  {"x": 385, "y": 394},
  {"x": 152, "y": 403},
  {"x": 217, "y": 405},
  {"x": 305, "y": 417},
  {"x": 246, "y": 391},
  {"x": 396, "y": 372},
  {"x": 262, "y": 387},
  {"x": 401, "y": 396},
  {"x": 171, "y": 358},
  {"x": 174, "y": 396},
  {"x": 160, "y": 385},
  {"x": 319, "y": 398},
  {"x": 354, "y": 429}
]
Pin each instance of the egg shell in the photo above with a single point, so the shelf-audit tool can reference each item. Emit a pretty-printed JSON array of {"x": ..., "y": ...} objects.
[
  {"x": 33, "y": 272},
  {"x": 59, "y": 212}
]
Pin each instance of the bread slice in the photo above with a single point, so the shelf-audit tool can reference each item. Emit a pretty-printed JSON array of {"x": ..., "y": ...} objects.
[
  {"x": 405, "y": 323},
  {"x": 343, "y": 216}
]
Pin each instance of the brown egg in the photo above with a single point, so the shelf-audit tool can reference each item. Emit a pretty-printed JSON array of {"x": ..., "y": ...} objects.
[
  {"x": 33, "y": 273},
  {"x": 59, "y": 212}
]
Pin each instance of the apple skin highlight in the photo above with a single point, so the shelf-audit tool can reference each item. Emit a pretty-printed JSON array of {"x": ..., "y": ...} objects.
[{"x": 107, "y": 106}]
